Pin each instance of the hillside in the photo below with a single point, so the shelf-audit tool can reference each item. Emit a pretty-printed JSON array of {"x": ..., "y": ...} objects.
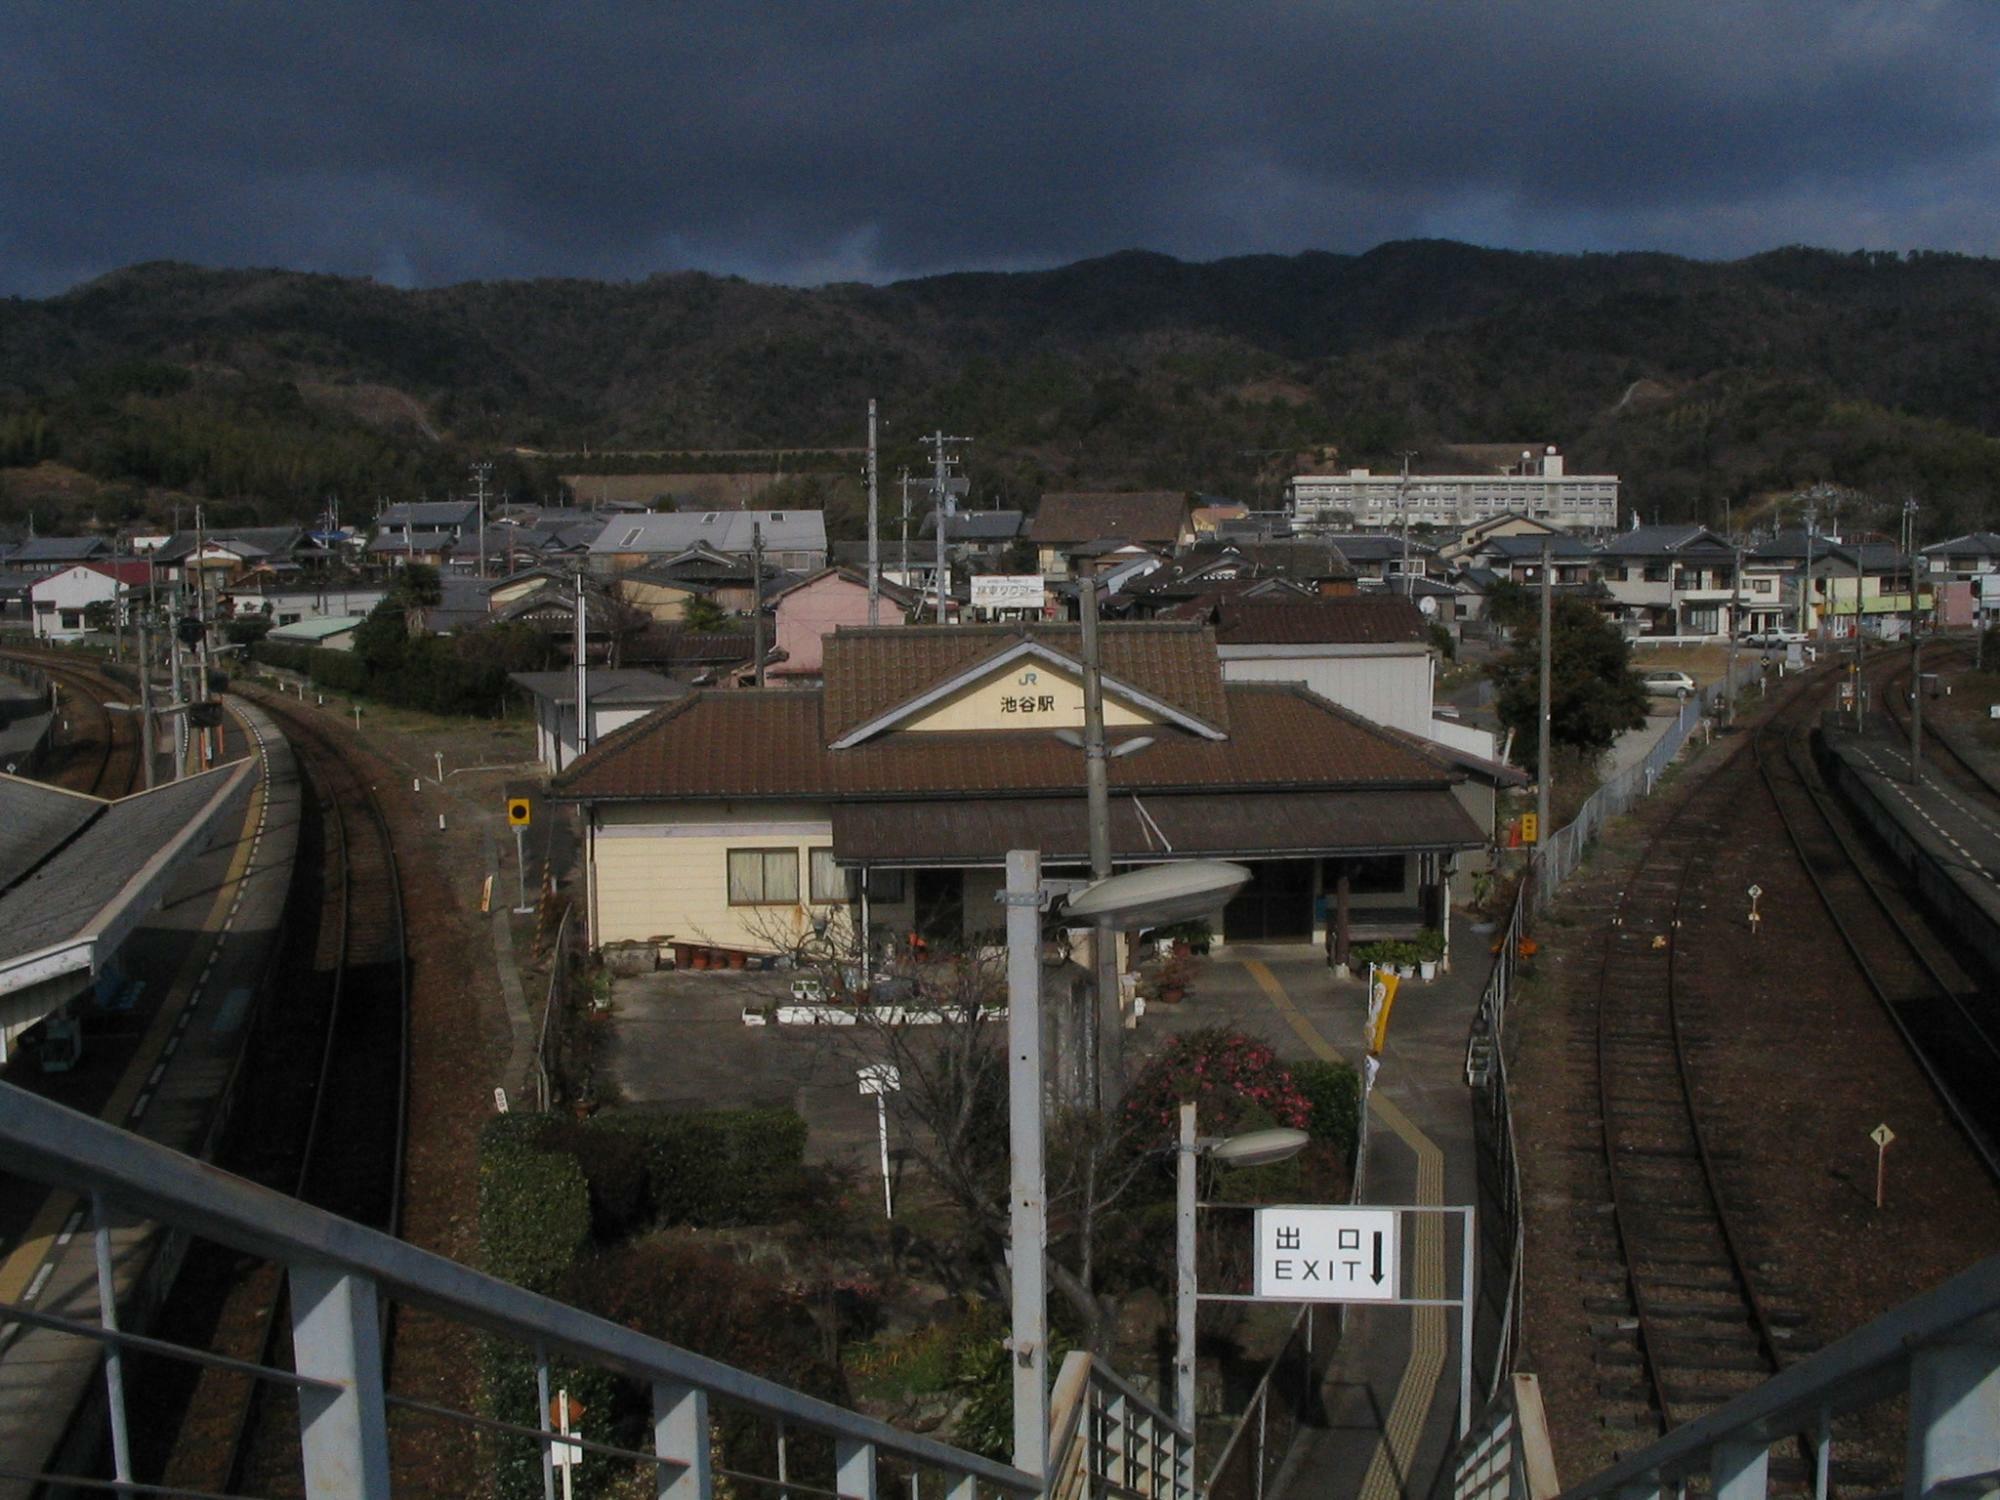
[{"x": 1701, "y": 383}]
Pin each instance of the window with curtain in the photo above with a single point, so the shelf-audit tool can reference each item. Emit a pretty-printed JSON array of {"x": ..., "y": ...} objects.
[
  {"x": 831, "y": 885},
  {"x": 763, "y": 877}
]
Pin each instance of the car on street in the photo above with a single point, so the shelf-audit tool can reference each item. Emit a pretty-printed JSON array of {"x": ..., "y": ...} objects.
[{"x": 1665, "y": 683}]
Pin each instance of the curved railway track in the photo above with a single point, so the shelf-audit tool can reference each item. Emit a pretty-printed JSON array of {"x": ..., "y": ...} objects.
[
  {"x": 1941, "y": 752},
  {"x": 337, "y": 1039},
  {"x": 111, "y": 768}
]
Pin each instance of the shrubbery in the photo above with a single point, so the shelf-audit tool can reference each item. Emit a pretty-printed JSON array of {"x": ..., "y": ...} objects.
[
  {"x": 425, "y": 673},
  {"x": 1237, "y": 1081},
  {"x": 1334, "y": 1092}
]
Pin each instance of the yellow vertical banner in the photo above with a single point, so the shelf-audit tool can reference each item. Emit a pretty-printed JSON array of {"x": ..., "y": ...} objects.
[
  {"x": 1382, "y": 986},
  {"x": 1531, "y": 828}
]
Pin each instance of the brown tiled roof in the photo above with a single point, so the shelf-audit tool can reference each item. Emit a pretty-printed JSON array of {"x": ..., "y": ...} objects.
[
  {"x": 1090, "y": 516},
  {"x": 869, "y": 672},
  {"x": 1351, "y": 620},
  {"x": 772, "y": 743},
  {"x": 1197, "y": 825}
]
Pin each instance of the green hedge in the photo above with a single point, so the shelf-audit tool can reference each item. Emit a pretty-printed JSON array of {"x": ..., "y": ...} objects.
[
  {"x": 1334, "y": 1090},
  {"x": 549, "y": 1187},
  {"x": 427, "y": 675}
]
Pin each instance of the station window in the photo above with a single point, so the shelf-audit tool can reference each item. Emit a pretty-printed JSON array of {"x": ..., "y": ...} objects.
[{"x": 763, "y": 877}]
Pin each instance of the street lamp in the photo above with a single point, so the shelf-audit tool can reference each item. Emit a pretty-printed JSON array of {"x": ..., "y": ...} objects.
[
  {"x": 1256, "y": 1148},
  {"x": 1162, "y": 893}
]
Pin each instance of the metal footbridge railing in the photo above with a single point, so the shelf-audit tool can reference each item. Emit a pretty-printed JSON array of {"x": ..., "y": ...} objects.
[{"x": 342, "y": 1277}]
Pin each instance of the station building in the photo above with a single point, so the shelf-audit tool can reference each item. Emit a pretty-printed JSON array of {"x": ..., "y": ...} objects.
[{"x": 887, "y": 799}]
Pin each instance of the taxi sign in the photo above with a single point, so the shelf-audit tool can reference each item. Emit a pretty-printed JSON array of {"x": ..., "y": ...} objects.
[
  {"x": 520, "y": 812},
  {"x": 1531, "y": 828}
]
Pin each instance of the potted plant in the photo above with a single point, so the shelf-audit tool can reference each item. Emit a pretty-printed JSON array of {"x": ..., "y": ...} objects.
[
  {"x": 1429, "y": 948},
  {"x": 1170, "y": 988},
  {"x": 1405, "y": 959}
]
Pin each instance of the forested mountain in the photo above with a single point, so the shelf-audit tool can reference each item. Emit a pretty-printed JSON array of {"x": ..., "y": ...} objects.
[{"x": 1701, "y": 383}]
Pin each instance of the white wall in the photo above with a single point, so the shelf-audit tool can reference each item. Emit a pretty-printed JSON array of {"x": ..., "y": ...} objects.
[
  {"x": 56, "y": 603},
  {"x": 1392, "y": 689}
]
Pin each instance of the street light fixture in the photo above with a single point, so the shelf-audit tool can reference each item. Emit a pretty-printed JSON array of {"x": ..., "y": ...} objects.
[{"x": 1256, "y": 1148}]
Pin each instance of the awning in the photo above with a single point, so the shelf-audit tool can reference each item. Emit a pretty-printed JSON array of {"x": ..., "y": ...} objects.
[{"x": 1280, "y": 825}]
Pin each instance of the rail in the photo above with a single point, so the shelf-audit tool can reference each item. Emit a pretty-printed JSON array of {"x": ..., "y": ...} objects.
[
  {"x": 1939, "y": 1352},
  {"x": 1554, "y": 861},
  {"x": 1510, "y": 1458},
  {"x": 1108, "y": 1442},
  {"x": 342, "y": 1274}
]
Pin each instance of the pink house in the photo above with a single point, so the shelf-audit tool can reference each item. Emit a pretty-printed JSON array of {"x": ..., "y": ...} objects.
[{"x": 813, "y": 608}]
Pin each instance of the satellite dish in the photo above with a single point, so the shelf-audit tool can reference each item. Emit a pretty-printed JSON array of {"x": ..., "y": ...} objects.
[{"x": 1160, "y": 894}]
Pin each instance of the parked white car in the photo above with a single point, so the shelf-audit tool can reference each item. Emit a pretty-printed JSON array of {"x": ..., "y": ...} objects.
[{"x": 1668, "y": 684}]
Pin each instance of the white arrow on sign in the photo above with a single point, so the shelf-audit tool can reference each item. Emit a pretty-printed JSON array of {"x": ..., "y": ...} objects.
[{"x": 1328, "y": 1254}]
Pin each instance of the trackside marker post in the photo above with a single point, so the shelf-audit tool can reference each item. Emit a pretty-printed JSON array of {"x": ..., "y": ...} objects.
[{"x": 1881, "y": 1135}]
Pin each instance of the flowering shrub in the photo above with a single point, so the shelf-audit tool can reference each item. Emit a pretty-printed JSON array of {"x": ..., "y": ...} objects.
[{"x": 1236, "y": 1080}]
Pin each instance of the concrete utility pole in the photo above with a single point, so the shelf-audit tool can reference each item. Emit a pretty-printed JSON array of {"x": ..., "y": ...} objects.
[
  {"x": 1916, "y": 645},
  {"x": 757, "y": 586},
  {"x": 1097, "y": 793},
  {"x": 906, "y": 531},
  {"x": 1805, "y": 583},
  {"x": 1854, "y": 660},
  {"x": 580, "y": 649},
  {"x": 1735, "y": 609},
  {"x": 1403, "y": 504},
  {"x": 200, "y": 694},
  {"x": 940, "y": 462},
  {"x": 480, "y": 471},
  {"x": 874, "y": 529},
  {"x": 1028, "y": 1212},
  {"x": 146, "y": 703},
  {"x": 1542, "y": 772}
]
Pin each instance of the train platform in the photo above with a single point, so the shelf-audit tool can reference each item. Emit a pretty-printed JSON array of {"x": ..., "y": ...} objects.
[
  {"x": 1949, "y": 843},
  {"x": 1385, "y": 1420},
  {"x": 160, "y": 1063}
]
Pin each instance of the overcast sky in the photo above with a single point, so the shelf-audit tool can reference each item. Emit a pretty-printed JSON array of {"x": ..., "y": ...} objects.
[{"x": 814, "y": 141}]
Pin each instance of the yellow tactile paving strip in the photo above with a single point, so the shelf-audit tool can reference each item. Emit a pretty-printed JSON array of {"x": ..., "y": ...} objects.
[{"x": 1389, "y": 1469}]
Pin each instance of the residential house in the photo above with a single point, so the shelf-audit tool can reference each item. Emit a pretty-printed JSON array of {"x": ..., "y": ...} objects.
[
  {"x": 1670, "y": 580},
  {"x": 322, "y": 632},
  {"x": 807, "y": 610},
  {"x": 14, "y": 610},
  {"x": 431, "y": 547},
  {"x": 662, "y": 588},
  {"x": 1964, "y": 576},
  {"x": 884, "y": 802},
  {"x": 52, "y": 554},
  {"x": 61, "y": 604},
  {"x": 1379, "y": 555},
  {"x": 702, "y": 658},
  {"x": 793, "y": 540},
  {"x": 287, "y": 604},
  {"x": 1866, "y": 585},
  {"x": 1368, "y": 653},
  {"x": 455, "y": 518},
  {"x": 618, "y": 696},
  {"x": 1505, "y": 523},
  {"x": 1082, "y": 529},
  {"x": 1518, "y": 559},
  {"x": 975, "y": 540}
]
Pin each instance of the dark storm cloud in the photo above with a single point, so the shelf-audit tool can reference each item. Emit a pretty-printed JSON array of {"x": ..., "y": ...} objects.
[{"x": 440, "y": 142}]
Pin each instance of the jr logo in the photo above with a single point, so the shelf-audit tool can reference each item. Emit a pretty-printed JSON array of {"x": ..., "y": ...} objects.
[{"x": 1027, "y": 679}]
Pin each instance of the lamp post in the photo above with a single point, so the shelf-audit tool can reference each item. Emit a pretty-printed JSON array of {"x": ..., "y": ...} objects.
[
  {"x": 1258, "y": 1148},
  {"x": 1163, "y": 893}
]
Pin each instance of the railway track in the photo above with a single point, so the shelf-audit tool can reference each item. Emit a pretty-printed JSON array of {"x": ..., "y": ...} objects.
[
  {"x": 1683, "y": 1324},
  {"x": 335, "y": 1041},
  {"x": 110, "y": 767},
  {"x": 1949, "y": 1024}
]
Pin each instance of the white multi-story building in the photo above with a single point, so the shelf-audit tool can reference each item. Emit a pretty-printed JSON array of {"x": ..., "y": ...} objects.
[{"x": 1540, "y": 489}]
